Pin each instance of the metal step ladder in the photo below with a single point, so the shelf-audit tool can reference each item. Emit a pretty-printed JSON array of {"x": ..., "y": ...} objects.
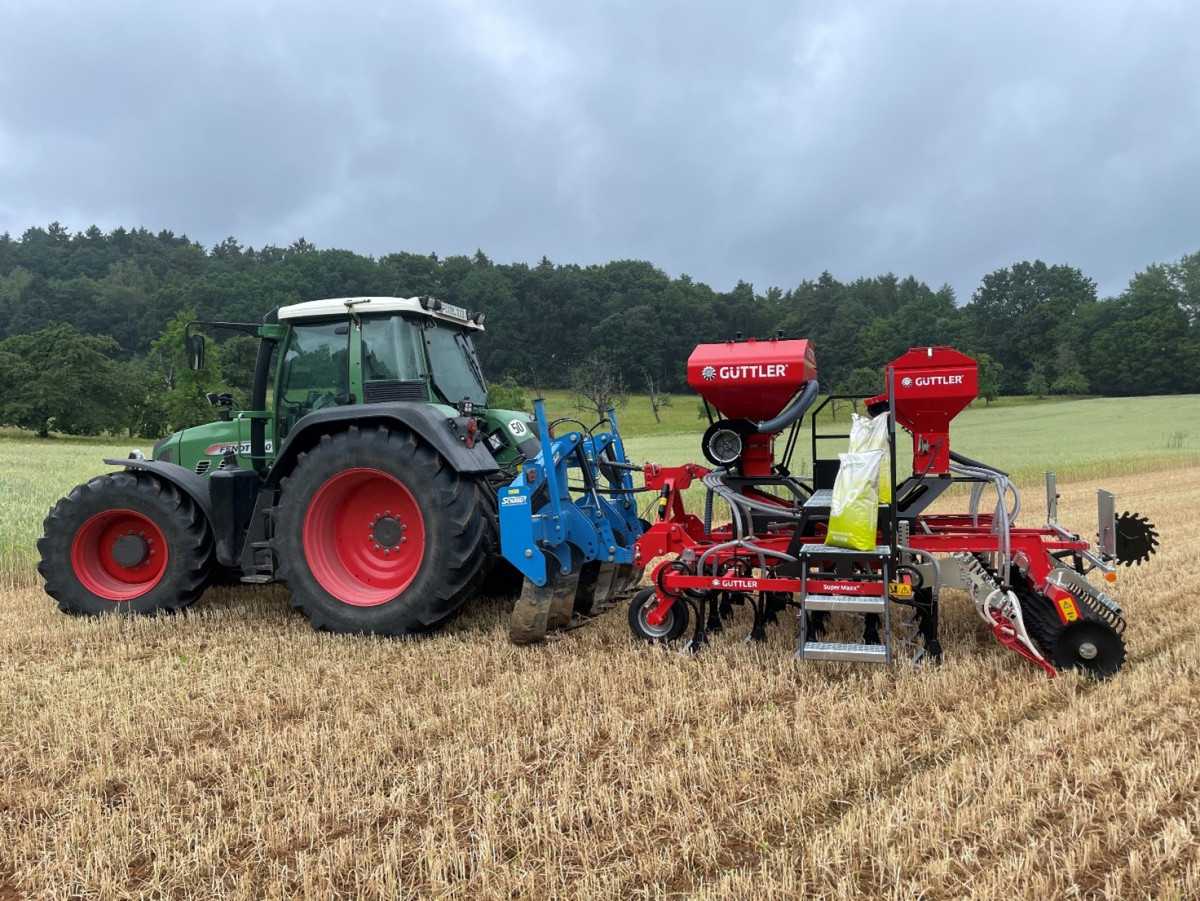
[
  {"x": 857, "y": 585},
  {"x": 844, "y": 580}
]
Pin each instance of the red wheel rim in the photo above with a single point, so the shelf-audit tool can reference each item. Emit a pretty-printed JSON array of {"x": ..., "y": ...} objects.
[
  {"x": 119, "y": 555},
  {"x": 364, "y": 537}
]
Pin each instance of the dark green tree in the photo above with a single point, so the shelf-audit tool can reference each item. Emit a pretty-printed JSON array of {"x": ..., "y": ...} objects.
[
  {"x": 237, "y": 358},
  {"x": 1020, "y": 314},
  {"x": 1146, "y": 344},
  {"x": 1185, "y": 277},
  {"x": 1070, "y": 378},
  {"x": 183, "y": 389},
  {"x": 57, "y": 379},
  {"x": 862, "y": 380},
  {"x": 989, "y": 377},
  {"x": 1036, "y": 384}
]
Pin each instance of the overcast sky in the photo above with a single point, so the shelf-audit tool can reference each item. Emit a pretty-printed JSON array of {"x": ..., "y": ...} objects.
[{"x": 762, "y": 140}]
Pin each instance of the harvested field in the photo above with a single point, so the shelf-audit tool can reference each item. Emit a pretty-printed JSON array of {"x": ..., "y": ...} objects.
[{"x": 234, "y": 753}]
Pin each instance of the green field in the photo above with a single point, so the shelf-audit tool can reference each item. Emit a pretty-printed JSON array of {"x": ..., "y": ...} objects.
[
  {"x": 1078, "y": 439},
  {"x": 1087, "y": 438}
]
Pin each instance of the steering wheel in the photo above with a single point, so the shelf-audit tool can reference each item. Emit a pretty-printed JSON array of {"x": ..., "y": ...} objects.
[{"x": 325, "y": 400}]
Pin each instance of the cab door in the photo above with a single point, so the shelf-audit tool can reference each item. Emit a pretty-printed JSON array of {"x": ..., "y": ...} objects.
[{"x": 314, "y": 373}]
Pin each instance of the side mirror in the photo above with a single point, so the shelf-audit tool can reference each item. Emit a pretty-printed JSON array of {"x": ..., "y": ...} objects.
[{"x": 195, "y": 351}]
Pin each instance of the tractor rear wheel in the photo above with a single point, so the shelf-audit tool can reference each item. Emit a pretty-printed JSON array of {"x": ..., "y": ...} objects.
[
  {"x": 502, "y": 580},
  {"x": 125, "y": 542},
  {"x": 376, "y": 533}
]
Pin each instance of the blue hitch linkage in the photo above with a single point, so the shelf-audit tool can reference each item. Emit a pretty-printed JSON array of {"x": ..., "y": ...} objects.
[{"x": 576, "y": 555}]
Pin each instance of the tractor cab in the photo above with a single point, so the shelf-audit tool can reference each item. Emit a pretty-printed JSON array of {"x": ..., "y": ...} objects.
[
  {"x": 345, "y": 352},
  {"x": 375, "y": 350}
]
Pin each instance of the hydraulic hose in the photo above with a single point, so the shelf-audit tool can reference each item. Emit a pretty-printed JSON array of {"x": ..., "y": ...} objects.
[
  {"x": 718, "y": 487},
  {"x": 975, "y": 464}
]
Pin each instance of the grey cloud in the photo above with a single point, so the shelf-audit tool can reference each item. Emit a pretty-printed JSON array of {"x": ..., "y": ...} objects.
[{"x": 762, "y": 141}]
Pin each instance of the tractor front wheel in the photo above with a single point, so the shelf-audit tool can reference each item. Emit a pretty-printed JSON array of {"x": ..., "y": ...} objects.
[
  {"x": 377, "y": 534},
  {"x": 126, "y": 542}
]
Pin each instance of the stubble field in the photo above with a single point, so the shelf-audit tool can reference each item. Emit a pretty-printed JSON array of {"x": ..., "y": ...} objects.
[{"x": 234, "y": 753}]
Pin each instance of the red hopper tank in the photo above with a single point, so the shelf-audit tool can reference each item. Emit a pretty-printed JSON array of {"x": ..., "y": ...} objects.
[
  {"x": 751, "y": 379},
  {"x": 931, "y": 386}
]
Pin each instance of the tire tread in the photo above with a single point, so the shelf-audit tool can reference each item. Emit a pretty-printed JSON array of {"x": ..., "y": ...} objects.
[{"x": 433, "y": 598}]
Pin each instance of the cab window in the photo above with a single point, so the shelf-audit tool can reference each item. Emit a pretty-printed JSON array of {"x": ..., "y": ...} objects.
[
  {"x": 456, "y": 373},
  {"x": 315, "y": 370},
  {"x": 391, "y": 350}
]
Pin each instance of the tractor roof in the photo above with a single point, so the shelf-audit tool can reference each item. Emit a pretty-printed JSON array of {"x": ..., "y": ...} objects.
[{"x": 340, "y": 306}]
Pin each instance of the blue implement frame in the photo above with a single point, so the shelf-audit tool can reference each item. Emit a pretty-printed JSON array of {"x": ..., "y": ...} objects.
[{"x": 539, "y": 521}]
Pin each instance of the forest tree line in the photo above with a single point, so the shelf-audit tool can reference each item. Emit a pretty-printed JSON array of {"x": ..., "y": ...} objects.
[{"x": 91, "y": 322}]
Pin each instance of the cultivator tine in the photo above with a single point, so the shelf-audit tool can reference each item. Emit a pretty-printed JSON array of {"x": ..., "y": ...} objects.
[
  {"x": 911, "y": 640},
  {"x": 585, "y": 594},
  {"x": 594, "y": 579},
  {"x": 635, "y": 577},
  {"x": 607, "y": 586},
  {"x": 917, "y": 640},
  {"x": 623, "y": 581},
  {"x": 562, "y": 600},
  {"x": 530, "y": 618},
  {"x": 542, "y": 609}
]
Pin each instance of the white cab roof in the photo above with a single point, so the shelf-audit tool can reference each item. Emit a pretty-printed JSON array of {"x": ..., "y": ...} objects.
[{"x": 364, "y": 306}]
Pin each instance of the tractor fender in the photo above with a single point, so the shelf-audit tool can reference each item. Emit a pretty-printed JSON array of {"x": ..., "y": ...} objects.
[
  {"x": 185, "y": 480},
  {"x": 423, "y": 421}
]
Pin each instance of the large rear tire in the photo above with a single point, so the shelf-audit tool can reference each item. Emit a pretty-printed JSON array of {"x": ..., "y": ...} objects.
[
  {"x": 502, "y": 580},
  {"x": 126, "y": 542},
  {"x": 378, "y": 534}
]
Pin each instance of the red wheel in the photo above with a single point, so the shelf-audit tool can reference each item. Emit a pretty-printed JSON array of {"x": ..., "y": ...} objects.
[
  {"x": 130, "y": 542},
  {"x": 119, "y": 555},
  {"x": 364, "y": 537},
  {"x": 376, "y": 533}
]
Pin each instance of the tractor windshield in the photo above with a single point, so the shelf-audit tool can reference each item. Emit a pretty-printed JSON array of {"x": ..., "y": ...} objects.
[{"x": 456, "y": 373}]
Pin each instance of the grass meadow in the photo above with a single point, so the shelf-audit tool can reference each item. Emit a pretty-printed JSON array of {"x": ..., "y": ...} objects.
[{"x": 232, "y": 752}]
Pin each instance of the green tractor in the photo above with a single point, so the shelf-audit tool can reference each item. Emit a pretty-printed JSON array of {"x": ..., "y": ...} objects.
[{"x": 364, "y": 478}]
